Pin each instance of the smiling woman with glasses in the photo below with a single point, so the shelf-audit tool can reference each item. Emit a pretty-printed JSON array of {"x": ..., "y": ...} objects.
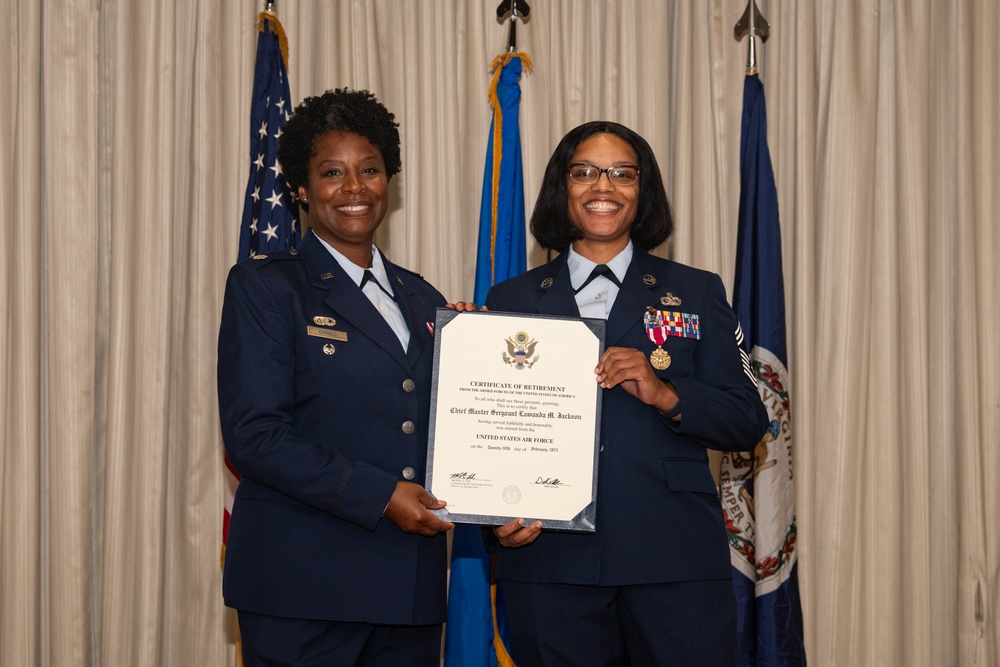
[{"x": 652, "y": 585}]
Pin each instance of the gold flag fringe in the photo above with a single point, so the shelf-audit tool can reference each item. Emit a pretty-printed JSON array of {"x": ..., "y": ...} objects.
[
  {"x": 503, "y": 657},
  {"x": 270, "y": 19},
  {"x": 496, "y": 66}
]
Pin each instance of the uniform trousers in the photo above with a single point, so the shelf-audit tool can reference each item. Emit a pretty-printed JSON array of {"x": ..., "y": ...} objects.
[
  {"x": 682, "y": 624},
  {"x": 274, "y": 641}
]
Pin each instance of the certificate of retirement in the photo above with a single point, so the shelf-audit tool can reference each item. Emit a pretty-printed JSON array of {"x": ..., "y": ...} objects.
[{"x": 515, "y": 418}]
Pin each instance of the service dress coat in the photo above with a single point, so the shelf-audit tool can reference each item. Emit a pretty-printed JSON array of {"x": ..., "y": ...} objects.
[
  {"x": 322, "y": 413},
  {"x": 659, "y": 518}
]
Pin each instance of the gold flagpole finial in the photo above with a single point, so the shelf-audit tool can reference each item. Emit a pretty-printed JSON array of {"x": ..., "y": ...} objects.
[{"x": 754, "y": 24}]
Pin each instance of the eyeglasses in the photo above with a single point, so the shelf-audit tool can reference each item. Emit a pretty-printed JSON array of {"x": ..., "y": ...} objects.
[{"x": 583, "y": 173}]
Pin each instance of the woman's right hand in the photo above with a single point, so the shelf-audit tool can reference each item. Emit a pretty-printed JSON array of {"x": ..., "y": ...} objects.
[
  {"x": 516, "y": 534},
  {"x": 410, "y": 508}
]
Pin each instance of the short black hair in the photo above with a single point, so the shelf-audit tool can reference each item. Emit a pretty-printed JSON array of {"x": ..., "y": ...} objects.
[
  {"x": 340, "y": 110},
  {"x": 550, "y": 223}
]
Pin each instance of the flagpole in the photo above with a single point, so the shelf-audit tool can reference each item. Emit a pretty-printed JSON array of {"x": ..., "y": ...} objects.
[
  {"x": 752, "y": 23},
  {"x": 477, "y": 623},
  {"x": 515, "y": 8},
  {"x": 270, "y": 212},
  {"x": 758, "y": 492}
]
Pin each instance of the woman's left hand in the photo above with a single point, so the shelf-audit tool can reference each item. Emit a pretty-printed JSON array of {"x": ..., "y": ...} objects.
[
  {"x": 628, "y": 367},
  {"x": 464, "y": 306}
]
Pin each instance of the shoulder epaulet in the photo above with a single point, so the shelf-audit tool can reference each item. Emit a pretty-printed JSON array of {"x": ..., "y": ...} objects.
[
  {"x": 405, "y": 271},
  {"x": 265, "y": 258}
]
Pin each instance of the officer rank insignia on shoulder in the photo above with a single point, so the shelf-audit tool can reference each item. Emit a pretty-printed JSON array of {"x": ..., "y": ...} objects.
[{"x": 265, "y": 258}]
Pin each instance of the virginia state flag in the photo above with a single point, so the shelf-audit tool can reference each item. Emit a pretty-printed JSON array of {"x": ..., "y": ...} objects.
[
  {"x": 758, "y": 494},
  {"x": 473, "y": 635},
  {"x": 270, "y": 214}
]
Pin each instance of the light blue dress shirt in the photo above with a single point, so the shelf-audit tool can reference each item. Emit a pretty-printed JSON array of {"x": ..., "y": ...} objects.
[
  {"x": 384, "y": 304},
  {"x": 598, "y": 298}
]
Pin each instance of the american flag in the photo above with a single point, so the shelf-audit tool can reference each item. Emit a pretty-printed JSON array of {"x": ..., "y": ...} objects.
[{"x": 270, "y": 213}]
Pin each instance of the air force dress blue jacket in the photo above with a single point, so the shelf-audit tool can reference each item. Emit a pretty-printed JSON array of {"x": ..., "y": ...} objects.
[
  {"x": 322, "y": 413},
  {"x": 658, "y": 513}
]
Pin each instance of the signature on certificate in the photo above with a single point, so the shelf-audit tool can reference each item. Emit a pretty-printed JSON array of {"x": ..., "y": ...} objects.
[
  {"x": 463, "y": 475},
  {"x": 549, "y": 481}
]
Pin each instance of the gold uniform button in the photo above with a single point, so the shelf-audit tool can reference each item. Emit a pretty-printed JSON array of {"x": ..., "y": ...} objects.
[
  {"x": 409, "y": 473},
  {"x": 407, "y": 427},
  {"x": 409, "y": 385}
]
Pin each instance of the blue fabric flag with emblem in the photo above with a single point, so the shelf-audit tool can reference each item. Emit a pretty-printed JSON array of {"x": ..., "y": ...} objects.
[
  {"x": 270, "y": 213},
  {"x": 501, "y": 253},
  {"x": 474, "y": 636},
  {"x": 758, "y": 494}
]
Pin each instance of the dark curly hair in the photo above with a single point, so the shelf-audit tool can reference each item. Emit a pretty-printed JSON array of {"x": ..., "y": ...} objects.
[
  {"x": 550, "y": 223},
  {"x": 340, "y": 110}
]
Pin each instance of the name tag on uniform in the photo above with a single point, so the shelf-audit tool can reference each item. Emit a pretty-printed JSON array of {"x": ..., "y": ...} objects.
[{"x": 331, "y": 334}]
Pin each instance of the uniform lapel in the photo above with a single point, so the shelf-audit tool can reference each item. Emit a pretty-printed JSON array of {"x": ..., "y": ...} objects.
[
  {"x": 408, "y": 306},
  {"x": 637, "y": 292},
  {"x": 344, "y": 297},
  {"x": 555, "y": 291}
]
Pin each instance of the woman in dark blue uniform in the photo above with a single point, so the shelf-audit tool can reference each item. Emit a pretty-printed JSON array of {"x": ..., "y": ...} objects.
[
  {"x": 652, "y": 585},
  {"x": 334, "y": 556}
]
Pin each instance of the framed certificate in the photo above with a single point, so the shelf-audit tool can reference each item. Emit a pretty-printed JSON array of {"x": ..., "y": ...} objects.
[{"x": 515, "y": 418}]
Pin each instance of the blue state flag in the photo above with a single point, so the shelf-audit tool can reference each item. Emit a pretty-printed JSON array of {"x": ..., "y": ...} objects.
[
  {"x": 475, "y": 637},
  {"x": 501, "y": 253},
  {"x": 270, "y": 213},
  {"x": 758, "y": 493}
]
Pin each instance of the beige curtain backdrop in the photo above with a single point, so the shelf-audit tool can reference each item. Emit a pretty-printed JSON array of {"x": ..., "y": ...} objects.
[{"x": 125, "y": 137}]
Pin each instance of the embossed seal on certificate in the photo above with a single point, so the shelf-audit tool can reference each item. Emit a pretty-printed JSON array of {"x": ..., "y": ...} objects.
[
  {"x": 520, "y": 348},
  {"x": 512, "y": 494}
]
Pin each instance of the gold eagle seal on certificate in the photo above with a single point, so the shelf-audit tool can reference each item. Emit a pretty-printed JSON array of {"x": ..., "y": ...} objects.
[{"x": 520, "y": 351}]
